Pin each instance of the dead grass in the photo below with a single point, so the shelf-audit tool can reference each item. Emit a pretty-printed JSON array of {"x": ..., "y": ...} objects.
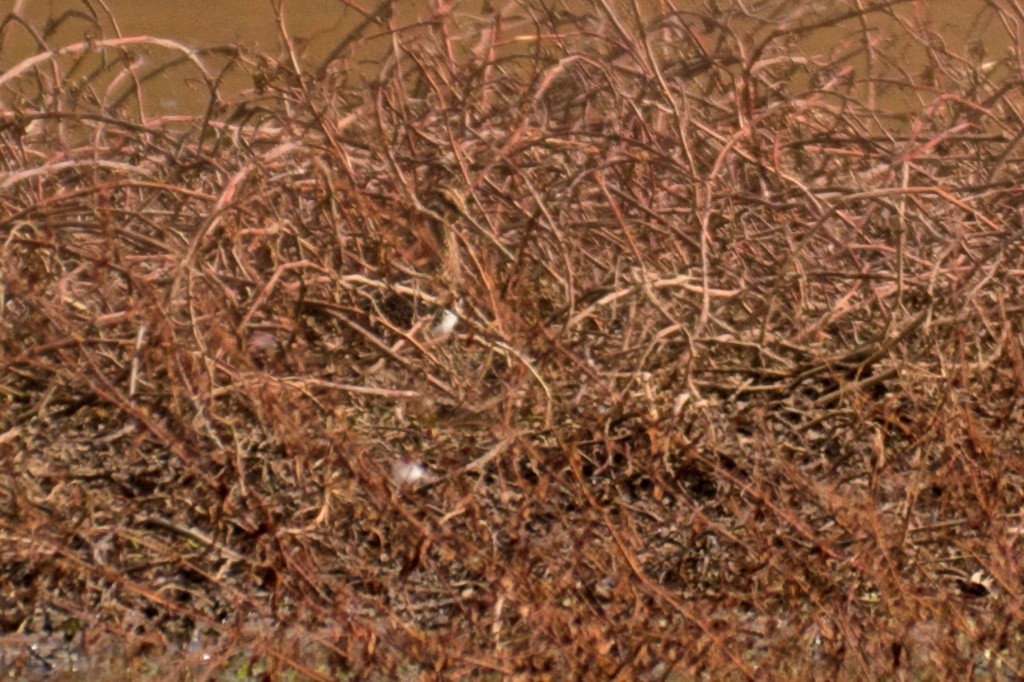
[{"x": 734, "y": 392}]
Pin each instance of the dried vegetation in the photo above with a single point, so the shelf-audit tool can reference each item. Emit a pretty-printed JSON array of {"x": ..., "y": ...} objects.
[{"x": 733, "y": 392}]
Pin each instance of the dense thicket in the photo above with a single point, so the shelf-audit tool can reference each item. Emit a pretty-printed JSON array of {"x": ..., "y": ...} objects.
[{"x": 733, "y": 384}]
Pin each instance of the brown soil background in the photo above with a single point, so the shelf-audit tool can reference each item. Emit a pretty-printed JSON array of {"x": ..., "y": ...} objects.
[{"x": 734, "y": 391}]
